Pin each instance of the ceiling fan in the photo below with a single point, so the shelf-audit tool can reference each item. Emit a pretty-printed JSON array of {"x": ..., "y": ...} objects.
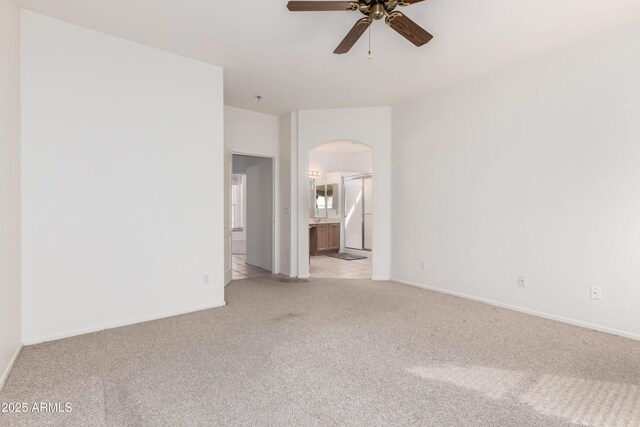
[{"x": 373, "y": 10}]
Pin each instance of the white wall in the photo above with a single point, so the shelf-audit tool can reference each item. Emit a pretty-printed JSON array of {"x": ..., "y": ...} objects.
[
  {"x": 288, "y": 193},
  {"x": 122, "y": 176},
  {"x": 329, "y": 161},
  {"x": 248, "y": 132},
  {"x": 533, "y": 170},
  {"x": 316, "y": 127},
  {"x": 10, "y": 319}
]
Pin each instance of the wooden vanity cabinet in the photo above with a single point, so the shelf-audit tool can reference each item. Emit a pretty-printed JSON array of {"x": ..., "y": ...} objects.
[
  {"x": 324, "y": 238},
  {"x": 334, "y": 237}
]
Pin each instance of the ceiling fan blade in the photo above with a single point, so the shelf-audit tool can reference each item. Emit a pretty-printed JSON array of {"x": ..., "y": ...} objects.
[
  {"x": 409, "y": 29},
  {"x": 353, "y": 36},
  {"x": 319, "y": 6},
  {"x": 412, "y": 1}
]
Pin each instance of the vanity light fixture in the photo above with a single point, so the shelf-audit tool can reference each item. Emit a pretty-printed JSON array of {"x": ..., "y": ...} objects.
[{"x": 314, "y": 174}]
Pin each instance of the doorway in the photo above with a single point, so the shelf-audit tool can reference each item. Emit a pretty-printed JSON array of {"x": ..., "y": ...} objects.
[
  {"x": 252, "y": 202},
  {"x": 340, "y": 210}
]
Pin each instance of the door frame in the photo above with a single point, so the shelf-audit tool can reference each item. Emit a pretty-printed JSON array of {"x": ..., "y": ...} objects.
[
  {"x": 275, "y": 171},
  {"x": 227, "y": 254}
]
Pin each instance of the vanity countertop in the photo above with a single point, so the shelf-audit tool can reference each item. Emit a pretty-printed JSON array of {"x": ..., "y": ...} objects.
[{"x": 313, "y": 222}]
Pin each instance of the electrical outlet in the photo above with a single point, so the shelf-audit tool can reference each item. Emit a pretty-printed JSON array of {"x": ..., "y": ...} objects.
[
  {"x": 423, "y": 265},
  {"x": 522, "y": 281},
  {"x": 205, "y": 279},
  {"x": 596, "y": 292}
]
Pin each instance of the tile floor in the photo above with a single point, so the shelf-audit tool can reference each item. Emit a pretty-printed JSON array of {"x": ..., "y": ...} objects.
[
  {"x": 328, "y": 267},
  {"x": 242, "y": 270}
]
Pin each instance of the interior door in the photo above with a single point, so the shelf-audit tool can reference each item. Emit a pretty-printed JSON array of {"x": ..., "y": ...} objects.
[
  {"x": 259, "y": 220},
  {"x": 228, "y": 231}
]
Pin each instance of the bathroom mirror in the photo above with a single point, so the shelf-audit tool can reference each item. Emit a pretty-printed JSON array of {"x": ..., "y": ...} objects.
[
  {"x": 333, "y": 200},
  {"x": 324, "y": 198}
]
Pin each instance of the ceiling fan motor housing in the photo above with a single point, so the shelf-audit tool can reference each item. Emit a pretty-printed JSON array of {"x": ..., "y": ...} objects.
[{"x": 377, "y": 11}]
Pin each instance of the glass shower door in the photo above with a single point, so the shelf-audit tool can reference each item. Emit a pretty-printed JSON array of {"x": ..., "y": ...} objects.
[
  {"x": 353, "y": 214},
  {"x": 367, "y": 214},
  {"x": 358, "y": 213}
]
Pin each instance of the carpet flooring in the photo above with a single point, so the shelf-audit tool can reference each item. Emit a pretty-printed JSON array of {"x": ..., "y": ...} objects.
[{"x": 334, "y": 352}]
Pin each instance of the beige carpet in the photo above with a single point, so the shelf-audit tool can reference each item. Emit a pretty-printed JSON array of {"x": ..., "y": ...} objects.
[{"x": 334, "y": 352}]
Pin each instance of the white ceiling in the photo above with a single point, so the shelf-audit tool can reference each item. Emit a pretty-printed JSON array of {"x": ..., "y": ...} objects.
[
  {"x": 344, "y": 147},
  {"x": 287, "y": 57}
]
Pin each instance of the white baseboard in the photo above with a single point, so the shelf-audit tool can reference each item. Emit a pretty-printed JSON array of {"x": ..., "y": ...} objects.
[
  {"x": 376, "y": 279},
  {"x": 53, "y": 337},
  {"x": 574, "y": 322},
  {"x": 7, "y": 371}
]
